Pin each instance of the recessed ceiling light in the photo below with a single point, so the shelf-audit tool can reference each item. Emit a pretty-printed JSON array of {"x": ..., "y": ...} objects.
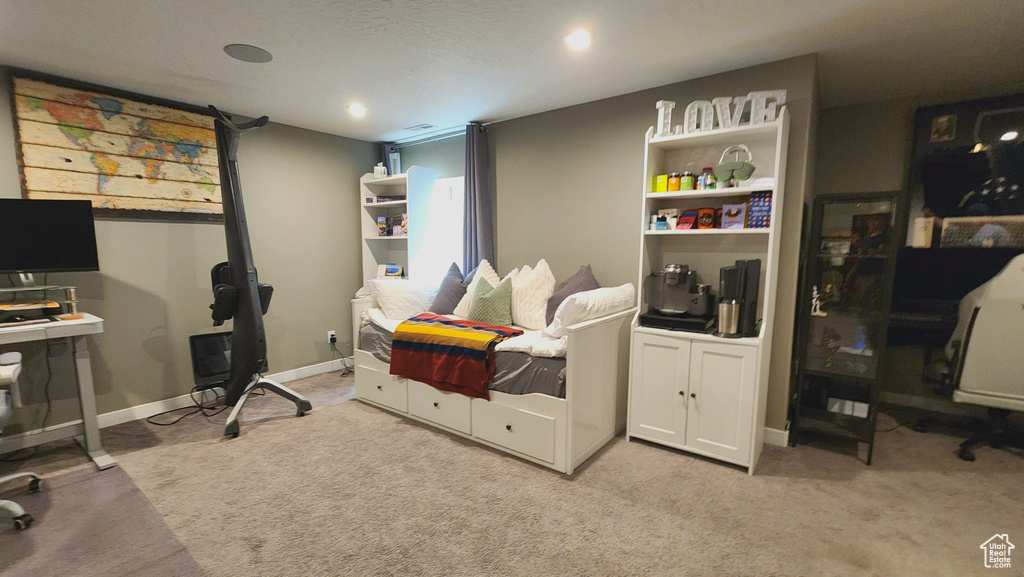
[
  {"x": 356, "y": 109},
  {"x": 578, "y": 39},
  {"x": 248, "y": 53},
  {"x": 1011, "y": 135}
]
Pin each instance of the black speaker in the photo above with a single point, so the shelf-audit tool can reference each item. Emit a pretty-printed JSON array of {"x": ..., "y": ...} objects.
[{"x": 751, "y": 280}]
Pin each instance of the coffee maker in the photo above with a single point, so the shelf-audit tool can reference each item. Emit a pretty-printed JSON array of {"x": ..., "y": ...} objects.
[
  {"x": 677, "y": 301},
  {"x": 674, "y": 291},
  {"x": 737, "y": 299}
]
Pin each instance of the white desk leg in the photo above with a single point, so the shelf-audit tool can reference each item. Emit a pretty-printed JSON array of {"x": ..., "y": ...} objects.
[{"x": 87, "y": 396}]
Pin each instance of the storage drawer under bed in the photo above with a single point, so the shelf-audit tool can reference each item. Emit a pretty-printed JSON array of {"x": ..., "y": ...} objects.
[
  {"x": 382, "y": 388},
  {"x": 521, "y": 431},
  {"x": 450, "y": 410}
]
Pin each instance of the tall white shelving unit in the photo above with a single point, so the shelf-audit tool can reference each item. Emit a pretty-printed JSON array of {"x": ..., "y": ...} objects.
[
  {"x": 695, "y": 391},
  {"x": 416, "y": 186}
]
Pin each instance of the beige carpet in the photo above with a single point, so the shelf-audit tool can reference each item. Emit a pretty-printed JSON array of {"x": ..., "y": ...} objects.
[{"x": 353, "y": 490}]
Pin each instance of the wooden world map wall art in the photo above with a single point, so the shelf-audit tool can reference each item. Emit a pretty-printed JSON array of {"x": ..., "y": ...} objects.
[{"x": 130, "y": 158}]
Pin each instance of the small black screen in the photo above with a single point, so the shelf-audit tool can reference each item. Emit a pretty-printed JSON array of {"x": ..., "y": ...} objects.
[{"x": 47, "y": 236}]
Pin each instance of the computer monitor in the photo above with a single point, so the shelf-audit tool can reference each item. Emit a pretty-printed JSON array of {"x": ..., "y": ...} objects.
[
  {"x": 47, "y": 236},
  {"x": 211, "y": 359}
]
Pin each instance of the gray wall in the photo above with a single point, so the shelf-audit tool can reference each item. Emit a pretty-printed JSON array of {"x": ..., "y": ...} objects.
[
  {"x": 567, "y": 184},
  {"x": 153, "y": 290},
  {"x": 447, "y": 157},
  {"x": 865, "y": 147}
]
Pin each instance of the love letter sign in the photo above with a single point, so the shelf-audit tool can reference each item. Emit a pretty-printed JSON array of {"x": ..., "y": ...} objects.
[{"x": 723, "y": 111}]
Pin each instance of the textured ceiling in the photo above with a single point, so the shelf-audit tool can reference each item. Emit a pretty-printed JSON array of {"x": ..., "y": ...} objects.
[{"x": 446, "y": 63}]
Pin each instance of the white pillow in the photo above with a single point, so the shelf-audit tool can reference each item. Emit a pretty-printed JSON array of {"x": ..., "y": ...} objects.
[
  {"x": 400, "y": 298},
  {"x": 530, "y": 296},
  {"x": 512, "y": 274},
  {"x": 587, "y": 305},
  {"x": 483, "y": 271}
]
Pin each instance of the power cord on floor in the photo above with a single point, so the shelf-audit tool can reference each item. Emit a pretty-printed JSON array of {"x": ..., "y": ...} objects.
[
  {"x": 208, "y": 409},
  {"x": 899, "y": 423},
  {"x": 201, "y": 406},
  {"x": 346, "y": 365}
]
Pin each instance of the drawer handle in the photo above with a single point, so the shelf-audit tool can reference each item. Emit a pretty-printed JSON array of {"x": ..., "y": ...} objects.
[
  {"x": 436, "y": 404},
  {"x": 508, "y": 427},
  {"x": 693, "y": 395},
  {"x": 380, "y": 387},
  {"x": 683, "y": 393}
]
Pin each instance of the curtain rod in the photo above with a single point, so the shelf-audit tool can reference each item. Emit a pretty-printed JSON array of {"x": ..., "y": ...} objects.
[{"x": 444, "y": 135}]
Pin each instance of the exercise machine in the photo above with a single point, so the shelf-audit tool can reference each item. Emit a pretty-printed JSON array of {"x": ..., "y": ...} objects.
[{"x": 237, "y": 291}]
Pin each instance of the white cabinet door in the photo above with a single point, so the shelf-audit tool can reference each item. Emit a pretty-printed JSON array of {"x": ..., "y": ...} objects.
[
  {"x": 658, "y": 388},
  {"x": 720, "y": 410}
]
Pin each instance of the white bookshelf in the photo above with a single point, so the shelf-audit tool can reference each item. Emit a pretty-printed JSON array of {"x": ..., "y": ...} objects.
[
  {"x": 696, "y": 391},
  {"x": 415, "y": 185}
]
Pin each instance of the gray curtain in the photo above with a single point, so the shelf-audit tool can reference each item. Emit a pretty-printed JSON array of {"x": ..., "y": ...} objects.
[{"x": 478, "y": 230}]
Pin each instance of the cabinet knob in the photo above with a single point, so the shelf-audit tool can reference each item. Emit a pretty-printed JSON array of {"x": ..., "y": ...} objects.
[
  {"x": 508, "y": 427},
  {"x": 380, "y": 387},
  {"x": 437, "y": 405},
  {"x": 683, "y": 393},
  {"x": 693, "y": 395}
]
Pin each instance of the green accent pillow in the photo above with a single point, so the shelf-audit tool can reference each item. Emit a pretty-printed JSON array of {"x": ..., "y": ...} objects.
[{"x": 492, "y": 305}]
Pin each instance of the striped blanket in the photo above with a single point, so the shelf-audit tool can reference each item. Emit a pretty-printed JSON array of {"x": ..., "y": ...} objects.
[{"x": 448, "y": 354}]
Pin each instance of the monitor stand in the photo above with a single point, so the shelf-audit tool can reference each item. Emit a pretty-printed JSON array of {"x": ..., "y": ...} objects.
[{"x": 27, "y": 280}]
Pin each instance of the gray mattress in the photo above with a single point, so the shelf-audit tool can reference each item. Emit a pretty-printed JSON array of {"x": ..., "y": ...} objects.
[{"x": 514, "y": 373}]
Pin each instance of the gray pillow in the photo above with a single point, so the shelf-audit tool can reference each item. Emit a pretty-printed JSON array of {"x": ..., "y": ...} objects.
[
  {"x": 583, "y": 280},
  {"x": 451, "y": 292}
]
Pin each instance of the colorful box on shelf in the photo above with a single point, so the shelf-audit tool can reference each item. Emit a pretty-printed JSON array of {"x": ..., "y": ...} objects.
[
  {"x": 759, "y": 213},
  {"x": 734, "y": 215}
]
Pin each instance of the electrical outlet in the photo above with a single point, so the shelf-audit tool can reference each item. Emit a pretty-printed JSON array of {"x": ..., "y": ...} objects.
[{"x": 332, "y": 337}]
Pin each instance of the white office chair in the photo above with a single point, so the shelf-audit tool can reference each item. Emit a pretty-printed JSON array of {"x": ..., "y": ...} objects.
[
  {"x": 987, "y": 345},
  {"x": 10, "y": 397}
]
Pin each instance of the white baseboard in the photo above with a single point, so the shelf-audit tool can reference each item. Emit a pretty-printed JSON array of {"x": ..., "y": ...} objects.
[
  {"x": 303, "y": 372},
  {"x": 155, "y": 408},
  {"x": 776, "y": 437}
]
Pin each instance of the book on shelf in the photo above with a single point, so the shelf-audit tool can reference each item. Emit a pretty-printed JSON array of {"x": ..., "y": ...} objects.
[{"x": 377, "y": 199}]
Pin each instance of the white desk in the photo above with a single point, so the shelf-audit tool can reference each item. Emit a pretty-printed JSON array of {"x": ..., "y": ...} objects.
[{"x": 88, "y": 427}]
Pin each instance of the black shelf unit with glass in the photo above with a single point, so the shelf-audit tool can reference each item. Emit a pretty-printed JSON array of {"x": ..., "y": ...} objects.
[{"x": 849, "y": 265}]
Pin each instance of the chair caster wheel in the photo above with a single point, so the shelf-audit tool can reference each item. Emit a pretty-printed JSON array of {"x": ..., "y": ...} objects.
[
  {"x": 965, "y": 454},
  {"x": 231, "y": 430},
  {"x": 35, "y": 485},
  {"x": 300, "y": 413},
  {"x": 22, "y": 522}
]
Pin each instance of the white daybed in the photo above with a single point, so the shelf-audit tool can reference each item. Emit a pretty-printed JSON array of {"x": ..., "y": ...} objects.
[{"x": 557, "y": 433}]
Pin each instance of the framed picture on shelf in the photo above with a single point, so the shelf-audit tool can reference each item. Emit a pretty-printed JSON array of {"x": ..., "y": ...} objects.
[{"x": 835, "y": 246}]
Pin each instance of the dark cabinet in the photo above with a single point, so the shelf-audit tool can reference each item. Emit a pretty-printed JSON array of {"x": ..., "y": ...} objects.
[{"x": 849, "y": 264}]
